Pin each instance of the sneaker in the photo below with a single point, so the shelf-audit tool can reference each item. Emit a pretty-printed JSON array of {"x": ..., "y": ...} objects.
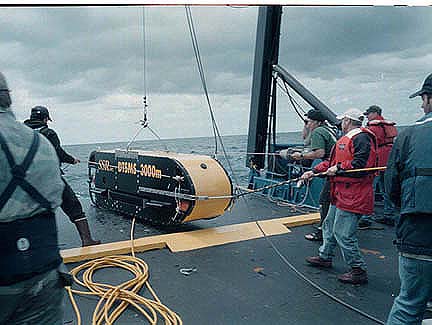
[
  {"x": 314, "y": 236},
  {"x": 385, "y": 220},
  {"x": 363, "y": 224},
  {"x": 355, "y": 276},
  {"x": 318, "y": 261}
]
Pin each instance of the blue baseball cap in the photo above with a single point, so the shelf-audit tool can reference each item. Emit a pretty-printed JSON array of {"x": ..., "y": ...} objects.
[{"x": 426, "y": 89}]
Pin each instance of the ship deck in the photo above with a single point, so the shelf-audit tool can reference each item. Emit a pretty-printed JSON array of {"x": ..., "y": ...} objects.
[{"x": 247, "y": 282}]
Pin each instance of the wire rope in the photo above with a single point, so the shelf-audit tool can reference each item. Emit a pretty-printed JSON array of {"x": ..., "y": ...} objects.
[
  {"x": 216, "y": 131},
  {"x": 313, "y": 284},
  {"x": 295, "y": 270},
  {"x": 144, "y": 121},
  {"x": 305, "y": 278},
  {"x": 200, "y": 69}
]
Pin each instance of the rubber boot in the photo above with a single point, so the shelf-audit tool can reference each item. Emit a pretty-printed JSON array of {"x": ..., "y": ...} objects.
[{"x": 84, "y": 232}]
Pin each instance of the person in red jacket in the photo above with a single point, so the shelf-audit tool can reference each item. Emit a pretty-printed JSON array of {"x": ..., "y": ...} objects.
[
  {"x": 385, "y": 132},
  {"x": 351, "y": 196}
]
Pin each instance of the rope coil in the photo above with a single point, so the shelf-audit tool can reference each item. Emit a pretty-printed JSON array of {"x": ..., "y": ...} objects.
[{"x": 108, "y": 309}]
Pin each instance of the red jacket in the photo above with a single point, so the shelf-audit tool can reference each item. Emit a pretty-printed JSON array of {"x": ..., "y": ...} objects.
[
  {"x": 385, "y": 132},
  {"x": 350, "y": 193}
]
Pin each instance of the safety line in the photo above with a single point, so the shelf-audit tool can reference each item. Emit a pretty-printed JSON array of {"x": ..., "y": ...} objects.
[
  {"x": 306, "y": 279},
  {"x": 316, "y": 286}
]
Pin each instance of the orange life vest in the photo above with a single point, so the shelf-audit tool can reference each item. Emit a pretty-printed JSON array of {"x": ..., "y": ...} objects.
[
  {"x": 390, "y": 131},
  {"x": 354, "y": 194}
]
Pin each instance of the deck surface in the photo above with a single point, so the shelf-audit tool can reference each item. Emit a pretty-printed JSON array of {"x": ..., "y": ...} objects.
[{"x": 247, "y": 282}]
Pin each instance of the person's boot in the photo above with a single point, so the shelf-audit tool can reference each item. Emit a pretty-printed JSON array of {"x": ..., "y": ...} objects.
[
  {"x": 364, "y": 224},
  {"x": 385, "y": 220},
  {"x": 356, "y": 276},
  {"x": 319, "y": 262},
  {"x": 84, "y": 232}
]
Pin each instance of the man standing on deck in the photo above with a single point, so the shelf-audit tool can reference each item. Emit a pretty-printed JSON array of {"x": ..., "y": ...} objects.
[
  {"x": 351, "y": 196},
  {"x": 408, "y": 180},
  {"x": 385, "y": 132},
  {"x": 71, "y": 205},
  {"x": 322, "y": 139},
  {"x": 31, "y": 285}
]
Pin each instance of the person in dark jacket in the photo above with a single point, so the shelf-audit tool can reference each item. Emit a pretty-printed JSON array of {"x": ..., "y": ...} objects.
[
  {"x": 408, "y": 180},
  {"x": 351, "y": 196},
  {"x": 71, "y": 206}
]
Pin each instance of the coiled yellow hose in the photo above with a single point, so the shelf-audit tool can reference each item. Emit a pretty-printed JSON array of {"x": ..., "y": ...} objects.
[{"x": 107, "y": 309}]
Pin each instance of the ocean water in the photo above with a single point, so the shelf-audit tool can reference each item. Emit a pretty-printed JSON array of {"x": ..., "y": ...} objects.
[
  {"x": 106, "y": 224},
  {"x": 235, "y": 147}
]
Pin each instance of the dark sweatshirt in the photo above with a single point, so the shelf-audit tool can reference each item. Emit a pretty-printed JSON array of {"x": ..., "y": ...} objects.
[{"x": 51, "y": 135}]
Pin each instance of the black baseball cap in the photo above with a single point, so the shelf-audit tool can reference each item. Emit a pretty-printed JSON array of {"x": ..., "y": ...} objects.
[
  {"x": 315, "y": 115},
  {"x": 426, "y": 89},
  {"x": 373, "y": 109},
  {"x": 39, "y": 113}
]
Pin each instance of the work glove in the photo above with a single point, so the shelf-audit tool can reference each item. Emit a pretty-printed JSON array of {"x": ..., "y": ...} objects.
[{"x": 284, "y": 154}]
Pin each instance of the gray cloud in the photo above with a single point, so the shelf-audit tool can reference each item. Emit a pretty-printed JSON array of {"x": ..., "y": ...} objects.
[
  {"x": 314, "y": 38},
  {"x": 86, "y": 64}
]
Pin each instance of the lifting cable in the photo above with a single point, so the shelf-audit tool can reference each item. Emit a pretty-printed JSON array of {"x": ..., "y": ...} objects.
[
  {"x": 115, "y": 299},
  {"x": 201, "y": 70},
  {"x": 216, "y": 132},
  {"x": 144, "y": 121}
]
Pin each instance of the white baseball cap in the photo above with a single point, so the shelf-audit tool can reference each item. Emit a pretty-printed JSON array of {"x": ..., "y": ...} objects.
[{"x": 353, "y": 114}]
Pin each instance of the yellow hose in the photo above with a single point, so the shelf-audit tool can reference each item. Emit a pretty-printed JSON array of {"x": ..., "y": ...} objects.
[{"x": 126, "y": 293}]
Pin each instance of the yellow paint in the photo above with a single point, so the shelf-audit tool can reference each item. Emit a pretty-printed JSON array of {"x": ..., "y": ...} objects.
[
  {"x": 185, "y": 241},
  {"x": 210, "y": 181}
]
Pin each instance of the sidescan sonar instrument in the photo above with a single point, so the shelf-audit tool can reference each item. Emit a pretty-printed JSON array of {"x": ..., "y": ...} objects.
[{"x": 162, "y": 188}]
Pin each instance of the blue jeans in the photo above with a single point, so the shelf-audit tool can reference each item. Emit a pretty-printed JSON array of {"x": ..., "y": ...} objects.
[
  {"x": 340, "y": 228},
  {"x": 416, "y": 290},
  {"x": 389, "y": 208},
  {"x": 390, "y": 211}
]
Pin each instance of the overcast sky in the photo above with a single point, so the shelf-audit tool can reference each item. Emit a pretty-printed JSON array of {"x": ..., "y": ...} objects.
[{"x": 87, "y": 65}]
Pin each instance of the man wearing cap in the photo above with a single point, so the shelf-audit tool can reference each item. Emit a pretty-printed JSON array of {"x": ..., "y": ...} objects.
[
  {"x": 385, "y": 132},
  {"x": 31, "y": 284},
  {"x": 322, "y": 139},
  {"x": 351, "y": 196},
  {"x": 71, "y": 206},
  {"x": 408, "y": 180}
]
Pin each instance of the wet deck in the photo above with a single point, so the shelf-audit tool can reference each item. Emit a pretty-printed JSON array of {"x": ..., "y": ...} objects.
[{"x": 247, "y": 282}]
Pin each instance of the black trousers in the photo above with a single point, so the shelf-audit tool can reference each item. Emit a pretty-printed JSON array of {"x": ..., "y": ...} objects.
[{"x": 71, "y": 205}]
